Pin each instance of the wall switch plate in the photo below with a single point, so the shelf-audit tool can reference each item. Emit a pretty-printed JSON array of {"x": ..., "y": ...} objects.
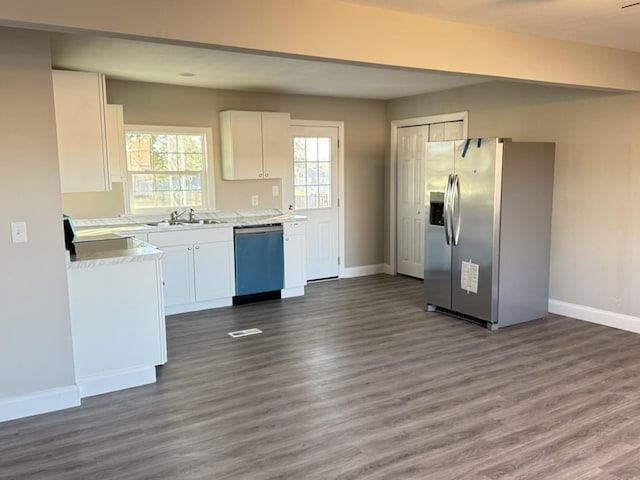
[
  {"x": 18, "y": 232},
  {"x": 254, "y": 200},
  {"x": 276, "y": 190}
]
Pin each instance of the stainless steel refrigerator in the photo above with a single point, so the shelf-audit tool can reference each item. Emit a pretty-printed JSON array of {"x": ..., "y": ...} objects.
[{"x": 488, "y": 229}]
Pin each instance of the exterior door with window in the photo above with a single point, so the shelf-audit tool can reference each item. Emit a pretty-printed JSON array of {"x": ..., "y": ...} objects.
[{"x": 315, "y": 160}]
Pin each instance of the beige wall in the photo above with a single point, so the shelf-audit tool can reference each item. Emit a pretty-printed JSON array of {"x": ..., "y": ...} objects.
[
  {"x": 364, "y": 152},
  {"x": 595, "y": 256},
  {"x": 334, "y": 29},
  {"x": 35, "y": 331}
]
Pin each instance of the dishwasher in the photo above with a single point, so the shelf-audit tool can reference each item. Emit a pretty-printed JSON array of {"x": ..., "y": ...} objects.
[{"x": 259, "y": 262}]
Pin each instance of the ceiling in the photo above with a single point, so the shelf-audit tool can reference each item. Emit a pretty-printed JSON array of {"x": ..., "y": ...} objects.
[{"x": 596, "y": 22}]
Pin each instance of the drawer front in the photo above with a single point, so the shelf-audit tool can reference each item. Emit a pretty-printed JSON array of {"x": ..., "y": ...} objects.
[
  {"x": 190, "y": 237},
  {"x": 294, "y": 228}
]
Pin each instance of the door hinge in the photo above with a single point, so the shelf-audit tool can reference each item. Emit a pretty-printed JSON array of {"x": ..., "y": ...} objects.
[
  {"x": 338, "y": 203},
  {"x": 338, "y": 259}
]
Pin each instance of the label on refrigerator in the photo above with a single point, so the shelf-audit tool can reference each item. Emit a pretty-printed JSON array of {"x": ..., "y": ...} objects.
[{"x": 469, "y": 277}]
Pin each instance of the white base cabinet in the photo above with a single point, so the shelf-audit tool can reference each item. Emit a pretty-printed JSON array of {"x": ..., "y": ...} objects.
[
  {"x": 198, "y": 268},
  {"x": 117, "y": 324},
  {"x": 295, "y": 265}
]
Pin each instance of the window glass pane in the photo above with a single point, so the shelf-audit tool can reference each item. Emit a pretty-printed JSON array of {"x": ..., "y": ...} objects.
[
  {"x": 299, "y": 149},
  {"x": 324, "y": 197},
  {"x": 312, "y": 172},
  {"x": 311, "y": 149},
  {"x": 300, "y": 194},
  {"x": 324, "y": 173},
  {"x": 300, "y": 173},
  {"x": 324, "y": 149},
  {"x": 174, "y": 167},
  {"x": 312, "y": 197}
]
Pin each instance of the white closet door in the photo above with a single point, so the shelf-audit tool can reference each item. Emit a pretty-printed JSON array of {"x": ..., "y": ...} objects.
[{"x": 412, "y": 145}]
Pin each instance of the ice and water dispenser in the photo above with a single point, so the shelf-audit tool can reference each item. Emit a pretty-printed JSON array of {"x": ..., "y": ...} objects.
[{"x": 436, "y": 208}]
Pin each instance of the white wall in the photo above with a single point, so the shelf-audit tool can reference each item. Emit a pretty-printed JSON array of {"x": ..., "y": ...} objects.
[
  {"x": 595, "y": 250},
  {"x": 36, "y": 357}
]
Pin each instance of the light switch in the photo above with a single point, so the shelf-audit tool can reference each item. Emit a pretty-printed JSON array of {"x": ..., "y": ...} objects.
[
  {"x": 254, "y": 200},
  {"x": 275, "y": 190},
  {"x": 18, "y": 232}
]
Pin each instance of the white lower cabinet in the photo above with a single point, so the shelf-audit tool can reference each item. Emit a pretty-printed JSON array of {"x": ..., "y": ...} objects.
[
  {"x": 119, "y": 337},
  {"x": 198, "y": 268},
  {"x": 178, "y": 278},
  {"x": 295, "y": 265}
]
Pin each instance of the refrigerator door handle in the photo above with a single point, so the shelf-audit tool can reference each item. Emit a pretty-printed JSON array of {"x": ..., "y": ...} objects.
[
  {"x": 447, "y": 210},
  {"x": 455, "y": 210}
]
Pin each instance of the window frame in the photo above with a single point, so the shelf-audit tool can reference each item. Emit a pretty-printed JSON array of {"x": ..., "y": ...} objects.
[{"x": 208, "y": 177}]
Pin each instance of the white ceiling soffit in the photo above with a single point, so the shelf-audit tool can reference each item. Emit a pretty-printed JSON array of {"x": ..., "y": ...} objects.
[
  {"x": 210, "y": 68},
  {"x": 594, "y": 22}
]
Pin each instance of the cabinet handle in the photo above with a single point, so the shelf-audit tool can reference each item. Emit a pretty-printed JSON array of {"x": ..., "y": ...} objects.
[
  {"x": 197, "y": 247},
  {"x": 189, "y": 248},
  {"x": 266, "y": 175},
  {"x": 260, "y": 175}
]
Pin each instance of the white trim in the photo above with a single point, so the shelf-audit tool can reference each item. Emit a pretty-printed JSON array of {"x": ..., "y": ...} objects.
[
  {"x": 363, "y": 271},
  {"x": 594, "y": 315},
  {"x": 198, "y": 306},
  {"x": 37, "y": 403},
  {"x": 114, "y": 381},
  {"x": 292, "y": 292},
  {"x": 341, "y": 198},
  {"x": 393, "y": 162}
]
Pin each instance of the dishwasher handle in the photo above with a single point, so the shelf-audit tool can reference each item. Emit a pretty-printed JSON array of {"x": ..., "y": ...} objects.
[{"x": 257, "y": 229}]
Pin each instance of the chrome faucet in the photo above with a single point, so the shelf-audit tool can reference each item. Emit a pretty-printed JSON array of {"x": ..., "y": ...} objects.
[{"x": 177, "y": 214}]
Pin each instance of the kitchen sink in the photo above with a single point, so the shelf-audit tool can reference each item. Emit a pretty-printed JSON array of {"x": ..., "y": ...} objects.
[{"x": 169, "y": 223}]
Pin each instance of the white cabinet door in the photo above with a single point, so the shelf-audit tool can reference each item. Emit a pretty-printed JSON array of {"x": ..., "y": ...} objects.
[
  {"x": 241, "y": 138},
  {"x": 79, "y": 99},
  {"x": 177, "y": 275},
  {"x": 277, "y": 150},
  {"x": 295, "y": 274},
  {"x": 214, "y": 271},
  {"x": 255, "y": 145},
  {"x": 115, "y": 143}
]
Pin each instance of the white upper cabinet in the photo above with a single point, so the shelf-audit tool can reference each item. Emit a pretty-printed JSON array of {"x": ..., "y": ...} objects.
[
  {"x": 255, "y": 145},
  {"x": 115, "y": 143},
  {"x": 80, "y": 109}
]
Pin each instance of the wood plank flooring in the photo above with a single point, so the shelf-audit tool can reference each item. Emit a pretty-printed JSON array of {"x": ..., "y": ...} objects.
[{"x": 355, "y": 381}]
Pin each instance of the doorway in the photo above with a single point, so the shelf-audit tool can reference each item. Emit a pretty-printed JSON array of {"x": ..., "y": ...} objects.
[
  {"x": 317, "y": 193},
  {"x": 408, "y": 150}
]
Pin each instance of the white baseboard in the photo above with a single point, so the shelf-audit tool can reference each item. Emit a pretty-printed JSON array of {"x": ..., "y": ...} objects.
[
  {"x": 386, "y": 268},
  {"x": 594, "y": 315},
  {"x": 352, "y": 272},
  {"x": 195, "y": 307},
  {"x": 36, "y": 403},
  {"x": 97, "y": 385},
  {"x": 292, "y": 292}
]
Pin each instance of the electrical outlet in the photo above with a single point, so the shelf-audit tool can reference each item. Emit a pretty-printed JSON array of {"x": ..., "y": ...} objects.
[
  {"x": 19, "y": 232},
  {"x": 275, "y": 190},
  {"x": 254, "y": 200}
]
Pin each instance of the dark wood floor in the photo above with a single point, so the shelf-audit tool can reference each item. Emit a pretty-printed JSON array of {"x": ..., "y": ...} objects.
[{"x": 355, "y": 381}]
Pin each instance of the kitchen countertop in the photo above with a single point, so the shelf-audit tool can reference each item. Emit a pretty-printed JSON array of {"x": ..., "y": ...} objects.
[
  {"x": 108, "y": 241},
  {"x": 111, "y": 250},
  {"x": 131, "y": 225}
]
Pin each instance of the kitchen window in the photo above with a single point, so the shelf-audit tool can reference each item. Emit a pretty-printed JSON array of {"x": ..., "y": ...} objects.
[
  {"x": 167, "y": 168},
  {"x": 312, "y": 172}
]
